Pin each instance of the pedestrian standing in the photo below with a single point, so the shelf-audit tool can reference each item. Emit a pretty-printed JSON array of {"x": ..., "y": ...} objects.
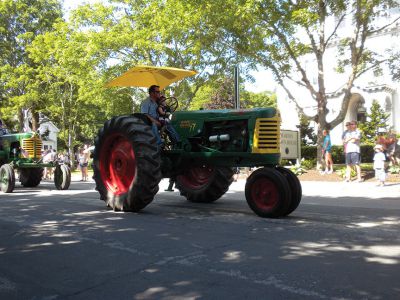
[
  {"x": 83, "y": 158},
  {"x": 170, "y": 187},
  {"x": 379, "y": 165},
  {"x": 347, "y": 129},
  {"x": 353, "y": 156},
  {"x": 391, "y": 145},
  {"x": 327, "y": 152}
]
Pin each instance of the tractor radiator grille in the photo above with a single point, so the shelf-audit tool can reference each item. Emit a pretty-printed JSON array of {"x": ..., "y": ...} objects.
[
  {"x": 33, "y": 146},
  {"x": 267, "y": 135}
]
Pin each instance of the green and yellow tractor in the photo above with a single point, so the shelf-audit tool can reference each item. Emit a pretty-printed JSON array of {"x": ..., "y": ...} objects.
[
  {"x": 128, "y": 164},
  {"x": 21, "y": 152}
]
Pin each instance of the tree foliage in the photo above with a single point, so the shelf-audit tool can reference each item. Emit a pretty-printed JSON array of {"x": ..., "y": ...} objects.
[
  {"x": 219, "y": 94},
  {"x": 21, "y": 22},
  {"x": 377, "y": 119},
  {"x": 60, "y": 67},
  {"x": 307, "y": 135},
  {"x": 280, "y": 35}
]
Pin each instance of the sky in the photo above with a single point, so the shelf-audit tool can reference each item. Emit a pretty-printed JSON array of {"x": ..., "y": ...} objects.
[{"x": 263, "y": 78}]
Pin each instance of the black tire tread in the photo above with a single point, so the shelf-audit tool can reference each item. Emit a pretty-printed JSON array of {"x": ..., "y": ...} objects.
[
  {"x": 282, "y": 185},
  {"x": 148, "y": 169},
  {"x": 217, "y": 186},
  {"x": 30, "y": 177},
  {"x": 9, "y": 186},
  {"x": 295, "y": 187},
  {"x": 62, "y": 177}
]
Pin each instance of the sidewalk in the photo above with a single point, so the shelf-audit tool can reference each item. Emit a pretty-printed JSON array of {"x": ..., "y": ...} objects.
[{"x": 351, "y": 189}]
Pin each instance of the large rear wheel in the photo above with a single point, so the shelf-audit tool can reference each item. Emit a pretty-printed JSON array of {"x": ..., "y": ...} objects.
[
  {"x": 126, "y": 163},
  {"x": 30, "y": 177},
  {"x": 7, "y": 178},
  {"x": 203, "y": 183},
  {"x": 268, "y": 193}
]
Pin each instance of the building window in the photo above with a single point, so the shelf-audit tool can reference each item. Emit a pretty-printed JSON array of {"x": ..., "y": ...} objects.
[{"x": 361, "y": 113}]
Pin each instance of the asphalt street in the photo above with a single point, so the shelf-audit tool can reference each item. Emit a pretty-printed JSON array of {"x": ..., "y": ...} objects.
[{"x": 342, "y": 242}]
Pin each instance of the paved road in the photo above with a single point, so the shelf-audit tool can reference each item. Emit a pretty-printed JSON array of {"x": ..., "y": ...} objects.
[{"x": 342, "y": 242}]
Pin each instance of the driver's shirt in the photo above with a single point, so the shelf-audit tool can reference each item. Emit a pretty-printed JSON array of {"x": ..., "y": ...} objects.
[{"x": 150, "y": 108}]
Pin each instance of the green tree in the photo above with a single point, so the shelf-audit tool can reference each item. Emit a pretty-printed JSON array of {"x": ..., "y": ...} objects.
[
  {"x": 75, "y": 97},
  {"x": 20, "y": 22},
  {"x": 219, "y": 94},
  {"x": 376, "y": 119},
  {"x": 163, "y": 33},
  {"x": 281, "y": 35},
  {"x": 307, "y": 134}
]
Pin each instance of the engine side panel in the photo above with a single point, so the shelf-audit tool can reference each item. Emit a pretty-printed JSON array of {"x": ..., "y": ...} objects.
[{"x": 227, "y": 137}]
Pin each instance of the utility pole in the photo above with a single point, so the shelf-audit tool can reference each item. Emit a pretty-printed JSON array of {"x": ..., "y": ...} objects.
[{"x": 237, "y": 97}]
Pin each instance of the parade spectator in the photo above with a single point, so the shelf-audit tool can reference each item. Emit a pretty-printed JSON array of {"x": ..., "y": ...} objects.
[
  {"x": 326, "y": 152},
  {"x": 48, "y": 157},
  {"x": 353, "y": 157},
  {"x": 171, "y": 184},
  {"x": 379, "y": 165},
  {"x": 236, "y": 173},
  {"x": 344, "y": 135},
  {"x": 381, "y": 139},
  {"x": 391, "y": 145},
  {"x": 83, "y": 159}
]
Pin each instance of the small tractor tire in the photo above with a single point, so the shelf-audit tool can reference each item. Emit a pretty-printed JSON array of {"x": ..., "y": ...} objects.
[
  {"x": 295, "y": 187},
  {"x": 7, "y": 178},
  {"x": 203, "y": 183},
  {"x": 268, "y": 193},
  {"x": 126, "y": 163},
  {"x": 30, "y": 177},
  {"x": 62, "y": 177}
]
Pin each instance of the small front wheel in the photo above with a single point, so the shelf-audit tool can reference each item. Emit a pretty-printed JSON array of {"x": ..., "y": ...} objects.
[
  {"x": 295, "y": 186},
  {"x": 268, "y": 193},
  {"x": 62, "y": 177},
  {"x": 7, "y": 178}
]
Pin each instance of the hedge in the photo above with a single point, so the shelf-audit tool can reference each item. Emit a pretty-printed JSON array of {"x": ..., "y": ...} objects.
[{"x": 310, "y": 152}]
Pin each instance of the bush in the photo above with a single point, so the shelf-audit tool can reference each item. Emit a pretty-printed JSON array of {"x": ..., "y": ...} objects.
[
  {"x": 308, "y": 163},
  {"x": 310, "y": 153},
  {"x": 394, "y": 169},
  {"x": 342, "y": 172}
]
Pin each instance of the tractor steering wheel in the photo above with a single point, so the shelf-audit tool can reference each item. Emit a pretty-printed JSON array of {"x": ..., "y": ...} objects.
[{"x": 172, "y": 104}]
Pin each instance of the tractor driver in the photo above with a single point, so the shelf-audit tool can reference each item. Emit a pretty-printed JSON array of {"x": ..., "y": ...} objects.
[{"x": 149, "y": 108}]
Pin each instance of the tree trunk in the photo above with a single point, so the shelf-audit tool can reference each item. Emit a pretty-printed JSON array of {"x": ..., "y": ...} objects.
[
  {"x": 20, "y": 120},
  {"x": 35, "y": 121},
  {"x": 320, "y": 158}
]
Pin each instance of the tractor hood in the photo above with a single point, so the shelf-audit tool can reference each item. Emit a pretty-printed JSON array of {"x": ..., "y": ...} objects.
[{"x": 220, "y": 114}]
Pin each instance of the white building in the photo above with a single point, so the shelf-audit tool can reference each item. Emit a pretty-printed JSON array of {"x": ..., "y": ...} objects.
[
  {"x": 49, "y": 133},
  {"x": 366, "y": 88}
]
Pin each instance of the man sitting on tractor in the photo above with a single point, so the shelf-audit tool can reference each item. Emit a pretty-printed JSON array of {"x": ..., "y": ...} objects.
[{"x": 149, "y": 108}]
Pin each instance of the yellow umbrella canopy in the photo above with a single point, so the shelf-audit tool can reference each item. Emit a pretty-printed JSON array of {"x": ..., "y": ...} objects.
[{"x": 145, "y": 76}]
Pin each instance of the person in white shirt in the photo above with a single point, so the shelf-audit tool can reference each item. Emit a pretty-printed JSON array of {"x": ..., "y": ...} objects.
[{"x": 353, "y": 157}]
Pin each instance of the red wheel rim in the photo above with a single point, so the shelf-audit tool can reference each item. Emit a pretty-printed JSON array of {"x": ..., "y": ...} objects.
[
  {"x": 196, "y": 177},
  {"x": 265, "y": 193},
  {"x": 117, "y": 164}
]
